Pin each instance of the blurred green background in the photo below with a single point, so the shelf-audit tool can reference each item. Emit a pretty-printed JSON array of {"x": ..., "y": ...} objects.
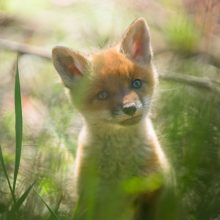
[{"x": 186, "y": 112}]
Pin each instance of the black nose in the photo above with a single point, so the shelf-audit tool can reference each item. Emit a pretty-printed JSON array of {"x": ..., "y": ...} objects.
[{"x": 129, "y": 109}]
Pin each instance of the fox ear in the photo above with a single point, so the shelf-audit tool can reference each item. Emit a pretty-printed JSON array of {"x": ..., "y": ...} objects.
[
  {"x": 136, "y": 42},
  {"x": 69, "y": 64}
]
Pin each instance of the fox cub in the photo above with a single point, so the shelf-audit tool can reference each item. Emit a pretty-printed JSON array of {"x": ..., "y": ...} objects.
[{"x": 120, "y": 166}]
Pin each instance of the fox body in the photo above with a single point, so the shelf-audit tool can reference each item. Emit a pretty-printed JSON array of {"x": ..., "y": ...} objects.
[{"x": 117, "y": 146}]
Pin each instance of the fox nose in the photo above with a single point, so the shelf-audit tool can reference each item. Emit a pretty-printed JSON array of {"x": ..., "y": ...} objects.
[{"x": 129, "y": 109}]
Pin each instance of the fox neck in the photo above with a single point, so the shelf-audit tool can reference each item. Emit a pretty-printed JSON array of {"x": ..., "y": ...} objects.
[
  {"x": 118, "y": 152},
  {"x": 107, "y": 130}
]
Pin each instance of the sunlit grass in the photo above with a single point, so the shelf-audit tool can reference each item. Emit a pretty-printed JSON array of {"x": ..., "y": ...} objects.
[{"x": 191, "y": 126}]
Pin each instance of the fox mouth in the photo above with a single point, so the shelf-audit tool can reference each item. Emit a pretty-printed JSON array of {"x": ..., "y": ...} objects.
[{"x": 132, "y": 120}]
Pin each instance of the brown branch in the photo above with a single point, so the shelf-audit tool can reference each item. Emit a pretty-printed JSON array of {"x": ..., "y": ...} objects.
[
  {"x": 24, "y": 48},
  {"x": 198, "y": 82},
  {"x": 208, "y": 57},
  {"x": 203, "y": 83},
  {"x": 6, "y": 19}
]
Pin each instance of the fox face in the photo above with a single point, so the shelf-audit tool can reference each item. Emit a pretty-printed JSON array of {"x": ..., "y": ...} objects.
[{"x": 114, "y": 86}]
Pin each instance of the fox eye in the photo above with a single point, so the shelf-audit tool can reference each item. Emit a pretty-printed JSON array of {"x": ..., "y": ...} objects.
[
  {"x": 102, "y": 95},
  {"x": 136, "y": 84}
]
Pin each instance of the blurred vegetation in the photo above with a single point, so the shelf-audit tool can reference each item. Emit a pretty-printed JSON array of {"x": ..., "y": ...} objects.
[{"x": 186, "y": 112}]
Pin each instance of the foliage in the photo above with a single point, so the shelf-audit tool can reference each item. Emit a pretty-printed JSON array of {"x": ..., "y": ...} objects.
[
  {"x": 191, "y": 125},
  {"x": 182, "y": 35},
  {"x": 187, "y": 117}
]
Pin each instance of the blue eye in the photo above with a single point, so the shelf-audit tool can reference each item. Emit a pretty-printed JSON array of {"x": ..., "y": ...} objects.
[
  {"x": 102, "y": 95},
  {"x": 136, "y": 84}
]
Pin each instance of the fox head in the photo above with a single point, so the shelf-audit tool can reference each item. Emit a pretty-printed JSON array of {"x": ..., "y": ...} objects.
[{"x": 113, "y": 86}]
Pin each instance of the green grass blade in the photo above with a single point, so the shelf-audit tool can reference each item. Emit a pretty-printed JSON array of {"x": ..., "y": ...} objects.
[
  {"x": 53, "y": 214},
  {"x": 22, "y": 198},
  {"x": 6, "y": 174},
  {"x": 18, "y": 125}
]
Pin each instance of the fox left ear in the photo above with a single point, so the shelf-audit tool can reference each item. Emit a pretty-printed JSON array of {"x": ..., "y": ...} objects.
[
  {"x": 70, "y": 65},
  {"x": 136, "y": 42}
]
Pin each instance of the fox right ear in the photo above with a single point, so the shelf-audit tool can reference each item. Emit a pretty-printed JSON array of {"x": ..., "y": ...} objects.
[
  {"x": 136, "y": 44},
  {"x": 69, "y": 64}
]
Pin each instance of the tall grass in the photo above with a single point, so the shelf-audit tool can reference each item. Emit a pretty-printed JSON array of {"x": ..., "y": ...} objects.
[
  {"x": 18, "y": 126},
  {"x": 13, "y": 211},
  {"x": 191, "y": 126}
]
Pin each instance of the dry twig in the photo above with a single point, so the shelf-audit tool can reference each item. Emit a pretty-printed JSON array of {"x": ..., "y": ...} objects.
[
  {"x": 208, "y": 57},
  {"x": 24, "y": 48}
]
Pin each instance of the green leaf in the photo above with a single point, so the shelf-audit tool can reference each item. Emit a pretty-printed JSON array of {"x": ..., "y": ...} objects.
[
  {"x": 6, "y": 174},
  {"x": 53, "y": 214},
  {"x": 18, "y": 125},
  {"x": 140, "y": 185},
  {"x": 20, "y": 201}
]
